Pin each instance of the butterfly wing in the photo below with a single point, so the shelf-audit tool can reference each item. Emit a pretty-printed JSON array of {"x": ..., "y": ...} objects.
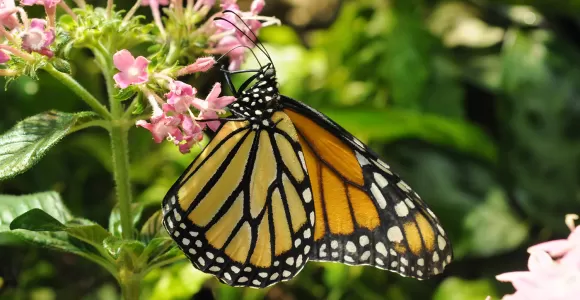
[
  {"x": 365, "y": 214},
  {"x": 242, "y": 210}
]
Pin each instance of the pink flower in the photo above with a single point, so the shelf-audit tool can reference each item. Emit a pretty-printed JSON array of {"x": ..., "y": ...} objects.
[
  {"x": 232, "y": 33},
  {"x": 4, "y": 57},
  {"x": 163, "y": 127},
  {"x": 8, "y": 14},
  {"x": 133, "y": 70},
  {"x": 212, "y": 105},
  {"x": 257, "y": 6},
  {"x": 37, "y": 38},
  {"x": 180, "y": 97},
  {"x": 154, "y": 2},
  {"x": 203, "y": 4},
  {"x": 201, "y": 64},
  {"x": 554, "y": 270},
  {"x": 46, "y": 3}
]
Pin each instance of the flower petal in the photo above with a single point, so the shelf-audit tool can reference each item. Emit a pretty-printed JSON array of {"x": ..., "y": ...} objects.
[{"x": 123, "y": 60}]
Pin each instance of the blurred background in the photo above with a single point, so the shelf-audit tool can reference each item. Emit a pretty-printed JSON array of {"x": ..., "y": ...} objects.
[{"x": 474, "y": 103}]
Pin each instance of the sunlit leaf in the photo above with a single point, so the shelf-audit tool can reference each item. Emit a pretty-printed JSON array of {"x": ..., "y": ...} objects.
[
  {"x": 27, "y": 142},
  {"x": 455, "y": 288}
]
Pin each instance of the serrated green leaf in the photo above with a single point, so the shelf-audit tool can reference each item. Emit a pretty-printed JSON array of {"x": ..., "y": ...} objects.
[
  {"x": 26, "y": 143},
  {"x": 37, "y": 220},
  {"x": 126, "y": 93}
]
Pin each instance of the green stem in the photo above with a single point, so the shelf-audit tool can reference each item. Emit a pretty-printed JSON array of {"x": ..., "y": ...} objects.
[
  {"x": 172, "y": 55},
  {"x": 120, "y": 146},
  {"x": 78, "y": 89},
  {"x": 130, "y": 284},
  {"x": 119, "y": 142}
]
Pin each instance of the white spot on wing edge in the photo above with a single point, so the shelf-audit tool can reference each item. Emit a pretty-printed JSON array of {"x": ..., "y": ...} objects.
[
  {"x": 363, "y": 161},
  {"x": 378, "y": 196},
  {"x": 380, "y": 179},
  {"x": 441, "y": 242},
  {"x": 401, "y": 209}
]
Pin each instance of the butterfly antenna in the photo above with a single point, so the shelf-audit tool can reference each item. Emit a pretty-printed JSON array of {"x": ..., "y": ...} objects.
[
  {"x": 247, "y": 36},
  {"x": 240, "y": 46},
  {"x": 256, "y": 40}
]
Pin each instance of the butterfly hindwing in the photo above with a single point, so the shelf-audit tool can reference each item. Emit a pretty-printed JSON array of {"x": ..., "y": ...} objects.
[
  {"x": 365, "y": 214},
  {"x": 241, "y": 211}
]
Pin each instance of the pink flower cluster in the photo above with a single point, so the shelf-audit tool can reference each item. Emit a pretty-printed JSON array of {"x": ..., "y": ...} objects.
[
  {"x": 176, "y": 121},
  {"x": 35, "y": 35},
  {"x": 234, "y": 41},
  {"x": 554, "y": 270},
  {"x": 173, "y": 117}
]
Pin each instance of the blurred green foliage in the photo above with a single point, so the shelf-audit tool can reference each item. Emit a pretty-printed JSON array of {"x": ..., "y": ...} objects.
[{"x": 474, "y": 103}]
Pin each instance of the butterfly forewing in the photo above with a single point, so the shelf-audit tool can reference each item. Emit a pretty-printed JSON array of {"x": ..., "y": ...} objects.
[{"x": 242, "y": 211}]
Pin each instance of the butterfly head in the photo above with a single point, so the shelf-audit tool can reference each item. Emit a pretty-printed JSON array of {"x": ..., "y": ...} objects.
[{"x": 258, "y": 96}]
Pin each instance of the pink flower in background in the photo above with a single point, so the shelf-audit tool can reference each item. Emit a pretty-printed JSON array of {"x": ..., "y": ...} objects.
[
  {"x": 154, "y": 2},
  {"x": 37, "y": 38},
  {"x": 8, "y": 14},
  {"x": 46, "y": 3},
  {"x": 4, "y": 57},
  {"x": 212, "y": 105},
  {"x": 203, "y": 4},
  {"x": 554, "y": 270},
  {"x": 257, "y": 6},
  {"x": 201, "y": 64},
  {"x": 133, "y": 70},
  {"x": 230, "y": 37}
]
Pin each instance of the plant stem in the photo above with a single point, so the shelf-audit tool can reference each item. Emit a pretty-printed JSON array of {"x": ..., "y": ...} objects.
[
  {"x": 120, "y": 146},
  {"x": 130, "y": 284},
  {"x": 78, "y": 89},
  {"x": 119, "y": 143}
]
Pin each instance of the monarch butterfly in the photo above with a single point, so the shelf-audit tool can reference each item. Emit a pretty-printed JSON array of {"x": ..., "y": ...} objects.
[{"x": 280, "y": 184}]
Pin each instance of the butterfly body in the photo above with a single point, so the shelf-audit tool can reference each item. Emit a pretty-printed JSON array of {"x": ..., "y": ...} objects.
[{"x": 280, "y": 184}]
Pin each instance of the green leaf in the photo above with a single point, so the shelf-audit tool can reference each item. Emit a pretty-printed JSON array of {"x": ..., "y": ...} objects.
[
  {"x": 88, "y": 232},
  {"x": 51, "y": 215},
  {"x": 455, "y": 288},
  {"x": 178, "y": 281},
  {"x": 126, "y": 93},
  {"x": 84, "y": 230},
  {"x": 115, "y": 218},
  {"x": 37, "y": 220},
  {"x": 492, "y": 227},
  {"x": 538, "y": 116},
  {"x": 153, "y": 227},
  {"x": 61, "y": 65},
  {"x": 27, "y": 142},
  {"x": 49, "y": 202},
  {"x": 392, "y": 125}
]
